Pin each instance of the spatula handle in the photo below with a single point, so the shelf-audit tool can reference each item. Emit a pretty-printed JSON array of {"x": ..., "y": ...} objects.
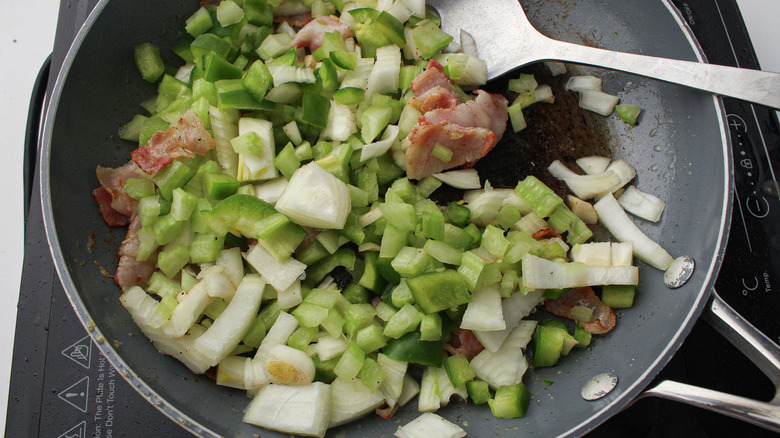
[{"x": 756, "y": 86}]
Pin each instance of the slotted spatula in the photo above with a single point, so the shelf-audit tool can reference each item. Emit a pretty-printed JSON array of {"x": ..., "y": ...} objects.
[{"x": 506, "y": 40}]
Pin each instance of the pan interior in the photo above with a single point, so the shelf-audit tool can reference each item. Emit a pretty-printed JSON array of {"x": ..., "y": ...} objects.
[{"x": 678, "y": 149}]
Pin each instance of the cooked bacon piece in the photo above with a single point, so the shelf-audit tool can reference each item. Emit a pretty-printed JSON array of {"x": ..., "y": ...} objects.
[
  {"x": 385, "y": 411},
  {"x": 546, "y": 232},
  {"x": 437, "y": 97},
  {"x": 468, "y": 129},
  {"x": 488, "y": 111},
  {"x": 131, "y": 272},
  {"x": 187, "y": 138},
  {"x": 297, "y": 22},
  {"x": 312, "y": 34},
  {"x": 433, "y": 76},
  {"x": 112, "y": 217},
  {"x": 464, "y": 342},
  {"x": 115, "y": 206},
  {"x": 432, "y": 89},
  {"x": 603, "y": 317},
  {"x": 467, "y": 145}
]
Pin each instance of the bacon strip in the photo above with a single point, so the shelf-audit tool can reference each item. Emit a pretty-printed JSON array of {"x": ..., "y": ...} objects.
[
  {"x": 464, "y": 342},
  {"x": 467, "y": 145},
  {"x": 433, "y": 76},
  {"x": 603, "y": 319},
  {"x": 487, "y": 111},
  {"x": 433, "y": 89},
  {"x": 469, "y": 130},
  {"x": 112, "y": 217},
  {"x": 131, "y": 272},
  {"x": 187, "y": 138},
  {"x": 313, "y": 33},
  {"x": 115, "y": 206},
  {"x": 385, "y": 411}
]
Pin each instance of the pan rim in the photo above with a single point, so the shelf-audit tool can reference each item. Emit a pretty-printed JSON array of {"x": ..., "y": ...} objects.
[
  {"x": 633, "y": 392},
  {"x": 626, "y": 397},
  {"x": 106, "y": 349}
]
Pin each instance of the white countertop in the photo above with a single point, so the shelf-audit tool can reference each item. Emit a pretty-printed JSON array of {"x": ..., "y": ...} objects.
[{"x": 26, "y": 39}]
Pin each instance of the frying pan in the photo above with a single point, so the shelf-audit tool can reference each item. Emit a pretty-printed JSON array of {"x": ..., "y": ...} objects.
[{"x": 680, "y": 150}]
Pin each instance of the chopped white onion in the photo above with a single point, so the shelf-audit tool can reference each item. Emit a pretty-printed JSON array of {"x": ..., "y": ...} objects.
[
  {"x": 503, "y": 367},
  {"x": 642, "y": 204},
  {"x": 393, "y": 383},
  {"x": 555, "y": 68},
  {"x": 270, "y": 191},
  {"x": 583, "y": 83},
  {"x": 484, "y": 312},
  {"x": 290, "y": 297},
  {"x": 233, "y": 323},
  {"x": 386, "y": 72},
  {"x": 593, "y": 164},
  {"x": 544, "y": 93},
  {"x": 329, "y": 347},
  {"x": 583, "y": 210},
  {"x": 298, "y": 410},
  {"x": 278, "y": 334},
  {"x": 350, "y": 400},
  {"x": 430, "y": 425},
  {"x": 288, "y": 366},
  {"x": 380, "y": 146},
  {"x": 584, "y": 186},
  {"x": 622, "y": 253},
  {"x": 617, "y": 222},
  {"x": 280, "y": 275},
  {"x": 188, "y": 311},
  {"x": 341, "y": 122},
  {"x": 623, "y": 170},
  {"x": 233, "y": 263},
  {"x": 521, "y": 335},
  {"x": 598, "y": 102},
  {"x": 460, "y": 179},
  {"x": 142, "y": 307},
  {"x": 259, "y": 167},
  {"x": 468, "y": 44},
  {"x": 593, "y": 253},
  {"x": 539, "y": 273},
  {"x": 217, "y": 282},
  {"x": 315, "y": 198},
  {"x": 514, "y": 308}
]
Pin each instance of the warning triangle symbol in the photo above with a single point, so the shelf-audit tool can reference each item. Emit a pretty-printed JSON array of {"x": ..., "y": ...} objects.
[
  {"x": 80, "y": 352},
  {"x": 77, "y": 431},
  {"x": 77, "y": 394}
]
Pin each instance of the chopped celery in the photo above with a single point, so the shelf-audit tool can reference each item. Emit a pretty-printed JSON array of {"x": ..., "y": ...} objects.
[
  {"x": 370, "y": 338},
  {"x": 628, "y": 113},
  {"x": 458, "y": 370},
  {"x": 149, "y": 62},
  {"x": 510, "y": 401},
  {"x": 618, "y": 296},
  {"x": 350, "y": 363},
  {"x": 199, "y": 22},
  {"x": 542, "y": 199},
  {"x": 479, "y": 392},
  {"x": 404, "y": 321},
  {"x": 439, "y": 290}
]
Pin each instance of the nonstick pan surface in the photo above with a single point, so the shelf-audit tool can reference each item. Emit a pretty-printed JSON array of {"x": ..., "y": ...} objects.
[{"x": 680, "y": 150}]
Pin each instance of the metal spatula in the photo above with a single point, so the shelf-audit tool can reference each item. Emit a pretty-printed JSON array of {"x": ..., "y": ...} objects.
[{"x": 507, "y": 40}]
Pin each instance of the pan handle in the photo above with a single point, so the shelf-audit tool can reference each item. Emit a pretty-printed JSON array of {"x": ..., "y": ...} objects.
[{"x": 757, "y": 347}]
